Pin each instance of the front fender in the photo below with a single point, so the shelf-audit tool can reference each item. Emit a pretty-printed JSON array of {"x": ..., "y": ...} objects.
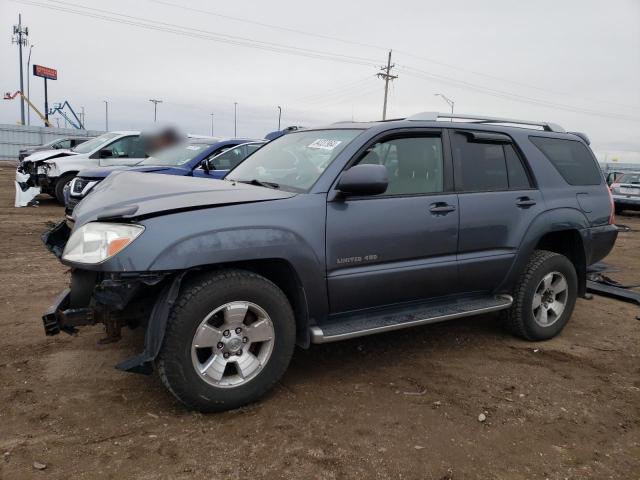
[
  {"x": 292, "y": 230},
  {"x": 547, "y": 222}
]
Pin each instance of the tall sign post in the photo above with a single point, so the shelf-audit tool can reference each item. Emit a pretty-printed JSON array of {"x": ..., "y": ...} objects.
[{"x": 48, "y": 74}]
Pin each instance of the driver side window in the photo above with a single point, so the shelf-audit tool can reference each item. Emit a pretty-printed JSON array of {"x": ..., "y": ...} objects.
[
  {"x": 127, "y": 147},
  {"x": 415, "y": 165},
  {"x": 228, "y": 159}
]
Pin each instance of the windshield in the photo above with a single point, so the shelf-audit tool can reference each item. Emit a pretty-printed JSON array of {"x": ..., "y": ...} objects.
[
  {"x": 90, "y": 145},
  {"x": 629, "y": 178},
  {"x": 294, "y": 161},
  {"x": 176, "y": 155}
]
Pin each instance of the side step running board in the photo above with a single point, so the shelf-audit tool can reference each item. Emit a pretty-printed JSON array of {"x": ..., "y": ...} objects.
[{"x": 360, "y": 324}]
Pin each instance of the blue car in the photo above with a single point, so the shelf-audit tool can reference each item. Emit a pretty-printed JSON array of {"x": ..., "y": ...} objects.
[{"x": 206, "y": 158}]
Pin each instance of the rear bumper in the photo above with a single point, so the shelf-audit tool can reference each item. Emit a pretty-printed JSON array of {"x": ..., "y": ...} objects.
[
  {"x": 600, "y": 242},
  {"x": 628, "y": 201}
]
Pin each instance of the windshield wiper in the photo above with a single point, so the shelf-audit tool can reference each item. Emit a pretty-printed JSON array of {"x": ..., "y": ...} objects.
[{"x": 260, "y": 183}]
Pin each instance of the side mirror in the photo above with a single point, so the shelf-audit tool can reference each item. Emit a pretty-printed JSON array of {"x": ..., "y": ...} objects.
[
  {"x": 364, "y": 179},
  {"x": 105, "y": 153}
]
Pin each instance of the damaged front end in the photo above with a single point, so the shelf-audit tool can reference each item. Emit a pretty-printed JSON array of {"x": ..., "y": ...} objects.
[
  {"x": 26, "y": 187},
  {"x": 115, "y": 300}
]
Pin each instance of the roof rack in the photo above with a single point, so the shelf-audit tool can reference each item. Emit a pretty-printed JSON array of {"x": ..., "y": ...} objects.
[{"x": 435, "y": 116}]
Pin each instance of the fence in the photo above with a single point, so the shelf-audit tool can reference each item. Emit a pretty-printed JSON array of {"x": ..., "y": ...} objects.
[{"x": 16, "y": 137}]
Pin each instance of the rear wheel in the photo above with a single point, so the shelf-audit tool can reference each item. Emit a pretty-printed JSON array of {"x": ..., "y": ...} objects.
[
  {"x": 544, "y": 297},
  {"x": 62, "y": 182},
  {"x": 229, "y": 339}
]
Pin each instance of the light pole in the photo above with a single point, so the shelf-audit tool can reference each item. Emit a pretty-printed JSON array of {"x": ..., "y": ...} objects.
[
  {"x": 211, "y": 124},
  {"x": 28, "y": 90},
  {"x": 155, "y": 108},
  {"x": 279, "y": 116},
  {"x": 106, "y": 115},
  {"x": 83, "y": 125},
  {"x": 446, "y": 99},
  {"x": 235, "y": 119}
]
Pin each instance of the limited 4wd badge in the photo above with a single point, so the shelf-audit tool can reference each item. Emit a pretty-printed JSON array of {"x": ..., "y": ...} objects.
[{"x": 366, "y": 258}]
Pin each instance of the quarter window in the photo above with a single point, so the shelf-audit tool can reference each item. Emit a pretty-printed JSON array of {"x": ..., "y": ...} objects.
[
  {"x": 571, "y": 158},
  {"x": 487, "y": 166},
  {"x": 414, "y": 164}
]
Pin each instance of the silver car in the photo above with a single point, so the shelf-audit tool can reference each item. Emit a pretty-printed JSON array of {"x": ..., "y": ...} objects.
[{"x": 626, "y": 192}]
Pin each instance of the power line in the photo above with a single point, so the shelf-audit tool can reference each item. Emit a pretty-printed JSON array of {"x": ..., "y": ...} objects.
[
  {"x": 188, "y": 31},
  {"x": 269, "y": 25},
  {"x": 281, "y": 48},
  {"x": 511, "y": 96},
  {"x": 380, "y": 47}
]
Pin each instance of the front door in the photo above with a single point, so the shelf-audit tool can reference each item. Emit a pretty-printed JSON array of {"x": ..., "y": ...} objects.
[
  {"x": 399, "y": 246},
  {"x": 124, "y": 151}
]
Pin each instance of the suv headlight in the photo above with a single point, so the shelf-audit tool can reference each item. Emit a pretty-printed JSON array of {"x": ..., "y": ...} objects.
[{"x": 96, "y": 242}]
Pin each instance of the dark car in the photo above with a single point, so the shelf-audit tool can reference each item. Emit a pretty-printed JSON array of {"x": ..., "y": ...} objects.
[
  {"x": 332, "y": 233},
  {"x": 205, "y": 157},
  {"x": 64, "y": 143}
]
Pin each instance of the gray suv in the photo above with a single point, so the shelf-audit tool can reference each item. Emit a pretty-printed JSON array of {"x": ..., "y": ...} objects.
[{"x": 333, "y": 233}]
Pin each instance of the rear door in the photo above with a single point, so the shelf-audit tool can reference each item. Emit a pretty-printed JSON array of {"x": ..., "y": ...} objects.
[
  {"x": 498, "y": 201},
  {"x": 399, "y": 246}
]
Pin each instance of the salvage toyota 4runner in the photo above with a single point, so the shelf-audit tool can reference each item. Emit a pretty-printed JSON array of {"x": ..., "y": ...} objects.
[{"x": 333, "y": 233}]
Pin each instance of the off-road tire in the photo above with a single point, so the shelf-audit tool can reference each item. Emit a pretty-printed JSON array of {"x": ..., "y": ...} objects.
[
  {"x": 519, "y": 318},
  {"x": 60, "y": 184},
  {"x": 198, "y": 297}
]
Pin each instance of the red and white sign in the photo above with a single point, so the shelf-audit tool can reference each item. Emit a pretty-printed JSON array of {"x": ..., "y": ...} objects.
[{"x": 45, "y": 72}]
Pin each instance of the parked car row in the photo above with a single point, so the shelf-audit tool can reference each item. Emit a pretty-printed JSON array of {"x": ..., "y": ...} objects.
[
  {"x": 327, "y": 234},
  {"x": 51, "y": 171}
]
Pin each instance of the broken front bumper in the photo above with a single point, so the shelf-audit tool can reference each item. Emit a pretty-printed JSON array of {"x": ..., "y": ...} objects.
[
  {"x": 25, "y": 193},
  {"x": 58, "y": 318}
]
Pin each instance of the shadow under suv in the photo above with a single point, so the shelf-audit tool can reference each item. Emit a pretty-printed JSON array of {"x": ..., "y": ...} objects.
[{"x": 333, "y": 233}]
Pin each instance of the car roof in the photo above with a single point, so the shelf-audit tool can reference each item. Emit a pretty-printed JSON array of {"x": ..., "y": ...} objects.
[{"x": 439, "y": 120}]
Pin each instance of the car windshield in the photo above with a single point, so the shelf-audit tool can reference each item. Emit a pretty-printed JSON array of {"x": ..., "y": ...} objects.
[
  {"x": 52, "y": 142},
  {"x": 629, "y": 178},
  {"x": 90, "y": 145},
  {"x": 294, "y": 161},
  {"x": 176, "y": 155}
]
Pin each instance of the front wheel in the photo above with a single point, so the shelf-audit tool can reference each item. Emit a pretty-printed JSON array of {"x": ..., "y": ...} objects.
[
  {"x": 544, "y": 297},
  {"x": 229, "y": 339},
  {"x": 62, "y": 182}
]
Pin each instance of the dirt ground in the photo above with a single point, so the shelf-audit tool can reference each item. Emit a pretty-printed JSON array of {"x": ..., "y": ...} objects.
[{"x": 403, "y": 405}]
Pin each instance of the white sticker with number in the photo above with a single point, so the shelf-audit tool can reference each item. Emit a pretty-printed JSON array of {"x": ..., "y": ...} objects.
[{"x": 325, "y": 144}]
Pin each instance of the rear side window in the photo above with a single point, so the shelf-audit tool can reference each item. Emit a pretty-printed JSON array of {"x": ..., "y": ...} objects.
[
  {"x": 571, "y": 158},
  {"x": 487, "y": 166}
]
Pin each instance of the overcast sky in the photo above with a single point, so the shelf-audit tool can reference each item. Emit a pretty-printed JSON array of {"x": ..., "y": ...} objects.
[{"x": 573, "y": 62}]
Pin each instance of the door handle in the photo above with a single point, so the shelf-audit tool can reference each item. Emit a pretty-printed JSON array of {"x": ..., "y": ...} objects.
[
  {"x": 441, "y": 208},
  {"x": 525, "y": 202}
]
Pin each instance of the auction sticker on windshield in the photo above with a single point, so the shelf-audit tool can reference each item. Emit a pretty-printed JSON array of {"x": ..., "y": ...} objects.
[{"x": 324, "y": 144}]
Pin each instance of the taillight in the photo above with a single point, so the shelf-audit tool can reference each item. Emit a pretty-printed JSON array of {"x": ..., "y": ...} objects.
[{"x": 612, "y": 215}]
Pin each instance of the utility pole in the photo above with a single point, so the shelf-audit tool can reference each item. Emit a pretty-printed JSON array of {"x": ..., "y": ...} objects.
[
  {"x": 450, "y": 102},
  {"x": 155, "y": 108},
  {"x": 28, "y": 89},
  {"x": 83, "y": 124},
  {"x": 211, "y": 124},
  {"x": 235, "y": 119},
  {"x": 386, "y": 76},
  {"x": 279, "y": 116},
  {"x": 106, "y": 115},
  {"x": 20, "y": 35}
]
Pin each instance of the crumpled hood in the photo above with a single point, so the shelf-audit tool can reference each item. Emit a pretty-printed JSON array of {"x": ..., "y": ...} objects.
[
  {"x": 136, "y": 194},
  {"x": 48, "y": 154},
  {"x": 103, "y": 172}
]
